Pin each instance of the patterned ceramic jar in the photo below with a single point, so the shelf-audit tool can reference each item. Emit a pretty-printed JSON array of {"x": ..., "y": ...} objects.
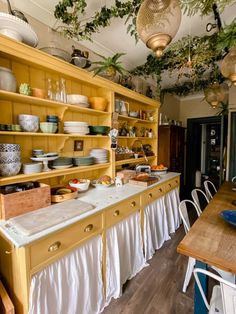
[
  {"x": 29, "y": 123},
  {"x": 7, "y": 80}
]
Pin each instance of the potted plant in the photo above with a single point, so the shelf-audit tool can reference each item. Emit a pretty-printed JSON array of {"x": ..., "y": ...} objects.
[{"x": 108, "y": 67}]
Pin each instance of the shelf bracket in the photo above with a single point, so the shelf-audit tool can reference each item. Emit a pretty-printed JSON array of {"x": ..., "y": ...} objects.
[
  {"x": 63, "y": 143},
  {"x": 62, "y": 112}
]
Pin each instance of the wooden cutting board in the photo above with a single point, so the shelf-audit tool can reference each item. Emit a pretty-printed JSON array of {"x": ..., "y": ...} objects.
[{"x": 145, "y": 181}]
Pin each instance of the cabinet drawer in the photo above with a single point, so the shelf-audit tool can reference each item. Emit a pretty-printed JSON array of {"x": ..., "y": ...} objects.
[
  {"x": 56, "y": 244},
  {"x": 122, "y": 210},
  {"x": 171, "y": 185},
  {"x": 152, "y": 194}
]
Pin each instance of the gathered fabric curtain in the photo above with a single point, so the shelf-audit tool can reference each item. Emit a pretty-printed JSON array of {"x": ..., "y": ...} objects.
[
  {"x": 73, "y": 284},
  {"x": 124, "y": 254}
]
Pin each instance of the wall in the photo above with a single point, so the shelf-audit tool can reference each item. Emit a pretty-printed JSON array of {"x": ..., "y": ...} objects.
[{"x": 170, "y": 107}]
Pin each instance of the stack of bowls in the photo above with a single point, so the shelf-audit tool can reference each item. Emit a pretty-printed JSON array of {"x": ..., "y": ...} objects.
[
  {"x": 29, "y": 123},
  {"x": 33, "y": 167},
  {"x": 62, "y": 163},
  {"x": 78, "y": 100},
  {"x": 83, "y": 161},
  {"x": 53, "y": 119},
  {"x": 48, "y": 127},
  {"x": 10, "y": 163}
]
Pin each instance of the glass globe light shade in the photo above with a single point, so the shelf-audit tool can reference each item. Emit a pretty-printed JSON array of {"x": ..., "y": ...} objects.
[
  {"x": 157, "y": 23},
  {"x": 215, "y": 94},
  {"x": 228, "y": 65}
]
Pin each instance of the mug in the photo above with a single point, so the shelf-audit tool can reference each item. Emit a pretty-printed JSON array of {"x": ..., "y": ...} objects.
[
  {"x": 118, "y": 182},
  {"x": 124, "y": 108}
]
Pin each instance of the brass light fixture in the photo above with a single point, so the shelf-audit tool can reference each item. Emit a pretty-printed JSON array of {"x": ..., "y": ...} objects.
[
  {"x": 228, "y": 65},
  {"x": 215, "y": 94},
  {"x": 158, "y": 22}
]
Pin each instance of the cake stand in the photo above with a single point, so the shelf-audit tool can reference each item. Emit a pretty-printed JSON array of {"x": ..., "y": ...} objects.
[{"x": 45, "y": 161}]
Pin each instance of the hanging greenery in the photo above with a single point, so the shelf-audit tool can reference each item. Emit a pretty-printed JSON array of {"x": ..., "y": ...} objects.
[
  {"x": 194, "y": 59},
  {"x": 70, "y": 12}
]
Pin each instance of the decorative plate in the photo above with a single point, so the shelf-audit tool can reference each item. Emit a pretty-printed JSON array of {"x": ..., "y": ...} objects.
[
  {"x": 229, "y": 216},
  {"x": 17, "y": 29}
]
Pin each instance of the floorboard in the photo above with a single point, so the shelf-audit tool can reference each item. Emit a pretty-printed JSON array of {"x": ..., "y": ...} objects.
[{"x": 157, "y": 289}]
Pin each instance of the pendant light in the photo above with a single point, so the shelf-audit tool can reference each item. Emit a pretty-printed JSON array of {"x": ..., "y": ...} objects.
[
  {"x": 157, "y": 23},
  {"x": 215, "y": 94},
  {"x": 228, "y": 65}
]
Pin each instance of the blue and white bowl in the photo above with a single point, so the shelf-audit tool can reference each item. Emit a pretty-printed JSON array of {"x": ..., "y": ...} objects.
[
  {"x": 10, "y": 169},
  {"x": 29, "y": 123}
]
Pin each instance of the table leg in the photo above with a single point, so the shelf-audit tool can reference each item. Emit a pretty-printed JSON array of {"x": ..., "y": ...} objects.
[{"x": 199, "y": 305}]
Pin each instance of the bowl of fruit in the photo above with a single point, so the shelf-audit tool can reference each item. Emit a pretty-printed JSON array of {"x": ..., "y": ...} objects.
[
  {"x": 103, "y": 182},
  {"x": 80, "y": 184},
  {"x": 158, "y": 169},
  {"x": 63, "y": 193}
]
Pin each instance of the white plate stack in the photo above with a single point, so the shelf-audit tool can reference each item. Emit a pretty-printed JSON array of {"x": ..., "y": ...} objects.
[
  {"x": 100, "y": 155},
  {"x": 77, "y": 127}
]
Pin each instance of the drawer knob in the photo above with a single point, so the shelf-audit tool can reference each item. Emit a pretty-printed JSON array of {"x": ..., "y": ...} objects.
[
  {"x": 150, "y": 195},
  {"x": 170, "y": 185},
  {"x": 88, "y": 228},
  {"x": 116, "y": 213},
  {"x": 160, "y": 190},
  {"x": 54, "y": 247},
  {"x": 133, "y": 204}
]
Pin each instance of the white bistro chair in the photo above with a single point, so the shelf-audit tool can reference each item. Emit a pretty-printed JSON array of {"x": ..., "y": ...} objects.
[
  {"x": 223, "y": 296},
  {"x": 210, "y": 189},
  {"x": 192, "y": 261},
  {"x": 197, "y": 196}
]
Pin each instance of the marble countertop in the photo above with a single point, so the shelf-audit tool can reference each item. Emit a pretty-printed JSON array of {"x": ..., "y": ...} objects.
[{"x": 100, "y": 199}]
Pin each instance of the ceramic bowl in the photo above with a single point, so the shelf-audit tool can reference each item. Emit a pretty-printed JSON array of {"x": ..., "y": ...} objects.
[
  {"x": 32, "y": 167},
  {"x": 134, "y": 114},
  {"x": 99, "y": 129},
  {"x": 10, "y": 169},
  {"x": 98, "y": 103},
  {"x": 29, "y": 123},
  {"x": 9, "y": 147},
  {"x": 38, "y": 92},
  {"x": 82, "y": 185},
  {"x": 48, "y": 127},
  {"x": 7, "y": 80}
]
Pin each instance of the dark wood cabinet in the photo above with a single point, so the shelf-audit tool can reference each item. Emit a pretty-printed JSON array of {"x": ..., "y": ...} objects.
[{"x": 171, "y": 139}]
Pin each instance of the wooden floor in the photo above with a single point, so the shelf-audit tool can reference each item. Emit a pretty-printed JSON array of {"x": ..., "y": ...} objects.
[{"x": 157, "y": 289}]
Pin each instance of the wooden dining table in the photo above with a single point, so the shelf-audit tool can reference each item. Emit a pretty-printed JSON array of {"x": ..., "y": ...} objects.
[{"x": 211, "y": 240}]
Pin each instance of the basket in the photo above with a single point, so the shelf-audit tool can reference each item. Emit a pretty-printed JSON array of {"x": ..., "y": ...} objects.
[{"x": 123, "y": 156}]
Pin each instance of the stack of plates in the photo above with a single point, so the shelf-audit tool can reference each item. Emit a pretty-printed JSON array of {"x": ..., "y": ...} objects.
[
  {"x": 83, "y": 161},
  {"x": 100, "y": 155},
  {"x": 76, "y": 127},
  {"x": 62, "y": 163}
]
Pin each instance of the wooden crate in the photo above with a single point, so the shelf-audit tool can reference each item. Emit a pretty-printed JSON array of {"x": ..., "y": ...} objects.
[
  {"x": 18, "y": 203},
  {"x": 145, "y": 182},
  {"x": 6, "y": 305}
]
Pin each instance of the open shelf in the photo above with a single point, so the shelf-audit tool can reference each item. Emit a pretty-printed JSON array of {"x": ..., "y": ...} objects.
[
  {"x": 9, "y": 96},
  {"x": 51, "y": 134},
  {"x": 134, "y": 160},
  {"x": 49, "y": 174},
  {"x": 135, "y": 120}
]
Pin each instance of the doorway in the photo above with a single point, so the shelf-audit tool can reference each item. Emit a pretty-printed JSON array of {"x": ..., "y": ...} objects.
[{"x": 205, "y": 150}]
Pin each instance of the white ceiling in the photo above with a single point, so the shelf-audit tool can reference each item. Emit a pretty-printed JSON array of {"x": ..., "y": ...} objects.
[{"x": 114, "y": 38}]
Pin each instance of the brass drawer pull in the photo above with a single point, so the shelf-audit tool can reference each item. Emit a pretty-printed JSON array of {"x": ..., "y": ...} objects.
[
  {"x": 170, "y": 185},
  {"x": 160, "y": 190},
  {"x": 88, "y": 228},
  {"x": 54, "y": 247},
  {"x": 150, "y": 195},
  {"x": 116, "y": 213},
  {"x": 133, "y": 204}
]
